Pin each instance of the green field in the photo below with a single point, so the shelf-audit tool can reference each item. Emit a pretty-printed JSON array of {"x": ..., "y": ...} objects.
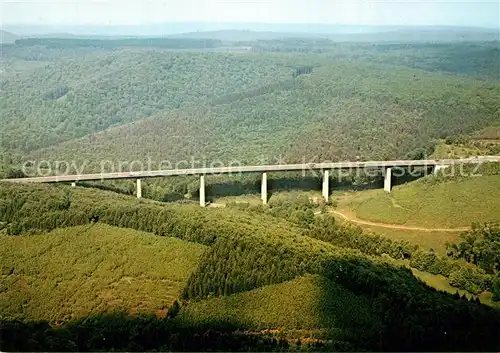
[
  {"x": 427, "y": 240},
  {"x": 441, "y": 283},
  {"x": 74, "y": 272},
  {"x": 449, "y": 204}
]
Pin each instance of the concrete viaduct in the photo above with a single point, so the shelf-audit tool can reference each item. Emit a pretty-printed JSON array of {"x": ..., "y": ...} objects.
[{"x": 386, "y": 166}]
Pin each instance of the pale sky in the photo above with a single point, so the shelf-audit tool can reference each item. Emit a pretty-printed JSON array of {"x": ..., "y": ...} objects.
[{"x": 131, "y": 12}]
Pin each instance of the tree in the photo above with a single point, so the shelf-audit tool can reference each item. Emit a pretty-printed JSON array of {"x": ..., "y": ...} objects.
[
  {"x": 496, "y": 289},
  {"x": 480, "y": 246}
]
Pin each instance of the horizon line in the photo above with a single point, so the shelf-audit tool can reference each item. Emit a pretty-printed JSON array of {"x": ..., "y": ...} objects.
[{"x": 236, "y": 23}]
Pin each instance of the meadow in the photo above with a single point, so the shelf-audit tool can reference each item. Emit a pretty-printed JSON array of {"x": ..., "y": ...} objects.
[{"x": 432, "y": 202}]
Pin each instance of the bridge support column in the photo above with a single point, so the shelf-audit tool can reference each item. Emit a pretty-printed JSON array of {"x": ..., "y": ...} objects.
[
  {"x": 202, "y": 191},
  {"x": 139, "y": 189},
  {"x": 73, "y": 184},
  {"x": 437, "y": 168},
  {"x": 326, "y": 185},
  {"x": 263, "y": 189},
  {"x": 387, "y": 179}
]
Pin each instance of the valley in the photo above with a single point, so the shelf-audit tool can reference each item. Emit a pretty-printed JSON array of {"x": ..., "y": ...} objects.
[{"x": 92, "y": 267}]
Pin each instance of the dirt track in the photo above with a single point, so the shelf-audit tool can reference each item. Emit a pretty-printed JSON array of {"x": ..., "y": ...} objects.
[{"x": 395, "y": 226}]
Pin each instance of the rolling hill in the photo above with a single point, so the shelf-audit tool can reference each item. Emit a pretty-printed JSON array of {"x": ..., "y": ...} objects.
[
  {"x": 340, "y": 111},
  {"x": 299, "y": 305},
  {"x": 335, "y": 271},
  {"x": 244, "y": 31},
  {"x": 78, "y": 271},
  {"x": 261, "y": 98},
  {"x": 7, "y": 37},
  {"x": 93, "y": 268},
  {"x": 76, "y": 97}
]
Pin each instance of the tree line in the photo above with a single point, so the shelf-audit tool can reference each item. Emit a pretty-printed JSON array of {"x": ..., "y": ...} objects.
[{"x": 75, "y": 43}]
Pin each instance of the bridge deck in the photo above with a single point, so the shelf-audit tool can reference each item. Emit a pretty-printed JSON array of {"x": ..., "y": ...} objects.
[{"x": 260, "y": 168}]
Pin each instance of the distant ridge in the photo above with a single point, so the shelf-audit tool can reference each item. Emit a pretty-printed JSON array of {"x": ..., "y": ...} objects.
[
  {"x": 246, "y": 35},
  {"x": 394, "y": 35},
  {"x": 7, "y": 37},
  {"x": 264, "y": 31}
]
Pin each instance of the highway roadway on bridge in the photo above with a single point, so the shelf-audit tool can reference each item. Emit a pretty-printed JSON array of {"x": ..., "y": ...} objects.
[{"x": 256, "y": 169}]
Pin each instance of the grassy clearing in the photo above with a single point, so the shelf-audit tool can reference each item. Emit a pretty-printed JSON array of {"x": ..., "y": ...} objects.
[
  {"x": 441, "y": 283},
  {"x": 73, "y": 272},
  {"x": 443, "y": 151},
  {"x": 426, "y": 240},
  {"x": 448, "y": 204},
  {"x": 306, "y": 303}
]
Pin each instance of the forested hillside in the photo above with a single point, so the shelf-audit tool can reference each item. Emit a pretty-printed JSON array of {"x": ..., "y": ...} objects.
[
  {"x": 83, "y": 269},
  {"x": 342, "y": 99},
  {"x": 73, "y": 98},
  {"x": 248, "y": 249},
  {"x": 77, "y": 271},
  {"x": 340, "y": 111}
]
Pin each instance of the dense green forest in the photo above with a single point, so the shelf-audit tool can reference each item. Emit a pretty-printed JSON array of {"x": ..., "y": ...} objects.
[
  {"x": 260, "y": 247},
  {"x": 31, "y": 209},
  {"x": 478, "y": 59},
  {"x": 149, "y": 105},
  {"x": 93, "y": 268},
  {"x": 77, "y": 97},
  {"x": 75, "y": 272},
  {"x": 372, "y": 111},
  {"x": 81, "y": 90}
]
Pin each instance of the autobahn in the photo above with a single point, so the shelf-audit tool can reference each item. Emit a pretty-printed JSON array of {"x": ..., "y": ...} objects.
[
  {"x": 255, "y": 169},
  {"x": 386, "y": 166}
]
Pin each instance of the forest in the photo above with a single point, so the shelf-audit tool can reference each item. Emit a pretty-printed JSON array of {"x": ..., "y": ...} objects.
[
  {"x": 93, "y": 268},
  {"x": 258, "y": 247},
  {"x": 171, "y": 43},
  {"x": 88, "y": 93}
]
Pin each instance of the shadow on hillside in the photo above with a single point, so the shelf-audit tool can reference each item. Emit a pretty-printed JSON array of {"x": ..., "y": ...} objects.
[
  {"x": 362, "y": 306},
  {"x": 390, "y": 310},
  {"x": 410, "y": 176},
  {"x": 120, "y": 332},
  {"x": 251, "y": 187},
  {"x": 106, "y": 187},
  {"x": 399, "y": 177},
  {"x": 347, "y": 317}
]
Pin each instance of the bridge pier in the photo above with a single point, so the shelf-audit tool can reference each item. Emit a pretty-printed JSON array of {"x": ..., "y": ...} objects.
[
  {"x": 437, "y": 168},
  {"x": 202, "y": 191},
  {"x": 139, "y": 188},
  {"x": 263, "y": 188},
  {"x": 388, "y": 179},
  {"x": 326, "y": 185}
]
